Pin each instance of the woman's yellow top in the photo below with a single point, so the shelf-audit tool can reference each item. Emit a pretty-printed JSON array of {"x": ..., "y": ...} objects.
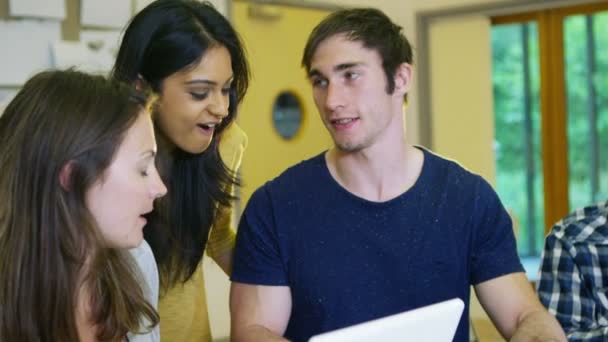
[{"x": 183, "y": 308}]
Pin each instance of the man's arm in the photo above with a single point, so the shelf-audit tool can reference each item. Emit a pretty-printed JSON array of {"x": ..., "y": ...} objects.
[
  {"x": 512, "y": 305},
  {"x": 259, "y": 313}
]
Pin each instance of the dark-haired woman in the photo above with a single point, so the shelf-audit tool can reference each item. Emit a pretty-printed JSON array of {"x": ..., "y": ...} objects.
[{"x": 191, "y": 56}]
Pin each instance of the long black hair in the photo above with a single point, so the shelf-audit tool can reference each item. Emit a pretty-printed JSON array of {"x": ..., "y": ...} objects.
[{"x": 168, "y": 36}]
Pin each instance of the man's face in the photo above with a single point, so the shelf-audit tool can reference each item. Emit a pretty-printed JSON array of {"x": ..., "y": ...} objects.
[{"x": 349, "y": 90}]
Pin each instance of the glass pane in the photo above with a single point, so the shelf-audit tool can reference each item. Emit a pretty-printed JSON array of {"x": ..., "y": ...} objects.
[
  {"x": 586, "y": 57},
  {"x": 287, "y": 115},
  {"x": 519, "y": 178}
]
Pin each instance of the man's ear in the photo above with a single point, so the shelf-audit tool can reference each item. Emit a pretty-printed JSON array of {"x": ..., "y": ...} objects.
[
  {"x": 403, "y": 79},
  {"x": 65, "y": 175}
]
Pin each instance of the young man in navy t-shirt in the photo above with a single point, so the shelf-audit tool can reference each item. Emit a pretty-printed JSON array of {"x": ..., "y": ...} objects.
[{"x": 374, "y": 226}]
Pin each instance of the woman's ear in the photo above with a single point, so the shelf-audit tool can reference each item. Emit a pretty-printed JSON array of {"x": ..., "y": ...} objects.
[
  {"x": 141, "y": 84},
  {"x": 65, "y": 175}
]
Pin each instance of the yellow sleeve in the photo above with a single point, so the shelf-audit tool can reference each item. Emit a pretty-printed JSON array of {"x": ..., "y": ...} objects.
[{"x": 222, "y": 235}]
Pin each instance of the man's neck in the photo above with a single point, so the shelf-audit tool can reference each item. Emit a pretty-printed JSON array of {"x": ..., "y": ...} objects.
[{"x": 376, "y": 174}]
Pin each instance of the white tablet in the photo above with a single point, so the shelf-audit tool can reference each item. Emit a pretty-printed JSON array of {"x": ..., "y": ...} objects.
[{"x": 433, "y": 323}]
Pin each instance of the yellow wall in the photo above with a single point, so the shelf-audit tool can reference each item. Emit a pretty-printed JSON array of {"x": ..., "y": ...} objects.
[
  {"x": 461, "y": 93},
  {"x": 274, "y": 48},
  {"x": 274, "y": 39}
]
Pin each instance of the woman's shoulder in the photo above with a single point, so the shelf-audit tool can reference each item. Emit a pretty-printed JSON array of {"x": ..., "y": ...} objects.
[
  {"x": 232, "y": 145},
  {"x": 142, "y": 253},
  {"x": 234, "y": 134},
  {"x": 144, "y": 259}
]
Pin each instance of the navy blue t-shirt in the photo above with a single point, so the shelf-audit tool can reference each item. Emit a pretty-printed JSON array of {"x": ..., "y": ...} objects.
[{"x": 348, "y": 260}]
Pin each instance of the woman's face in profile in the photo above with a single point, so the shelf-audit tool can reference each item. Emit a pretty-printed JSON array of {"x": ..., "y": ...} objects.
[
  {"x": 194, "y": 101},
  {"x": 126, "y": 191}
]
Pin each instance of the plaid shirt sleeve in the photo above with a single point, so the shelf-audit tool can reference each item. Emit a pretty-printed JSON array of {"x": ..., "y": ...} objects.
[{"x": 570, "y": 278}]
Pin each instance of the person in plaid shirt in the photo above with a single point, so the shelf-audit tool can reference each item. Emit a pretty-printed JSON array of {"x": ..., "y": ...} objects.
[{"x": 574, "y": 273}]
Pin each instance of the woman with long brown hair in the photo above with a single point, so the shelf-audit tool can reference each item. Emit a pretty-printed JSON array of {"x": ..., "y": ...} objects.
[{"x": 77, "y": 175}]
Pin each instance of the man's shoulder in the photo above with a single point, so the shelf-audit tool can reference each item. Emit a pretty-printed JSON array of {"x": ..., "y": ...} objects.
[
  {"x": 299, "y": 174},
  {"x": 586, "y": 225},
  {"x": 301, "y": 177},
  {"x": 448, "y": 171}
]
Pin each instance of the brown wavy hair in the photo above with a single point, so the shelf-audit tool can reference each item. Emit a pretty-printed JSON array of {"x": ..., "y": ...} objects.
[{"x": 50, "y": 245}]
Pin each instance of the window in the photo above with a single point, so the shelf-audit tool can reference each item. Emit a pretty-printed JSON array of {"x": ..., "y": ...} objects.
[
  {"x": 551, "y": 115},
  {"x": 586, "y": 49},
  {"x": 516, "y": 84}
]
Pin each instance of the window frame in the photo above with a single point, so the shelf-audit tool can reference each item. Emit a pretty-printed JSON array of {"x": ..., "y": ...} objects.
[{"x": 552, "y": 101}]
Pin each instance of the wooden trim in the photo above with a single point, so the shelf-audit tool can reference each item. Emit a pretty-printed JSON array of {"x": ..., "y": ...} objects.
[
  {"x": 515, "y": 18},
  {"x": 553, "y": 102},
  {"x": 581, "y": 9},
  {"x": 499, "y": 8},
  {"x": 553, "y": 118}
]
